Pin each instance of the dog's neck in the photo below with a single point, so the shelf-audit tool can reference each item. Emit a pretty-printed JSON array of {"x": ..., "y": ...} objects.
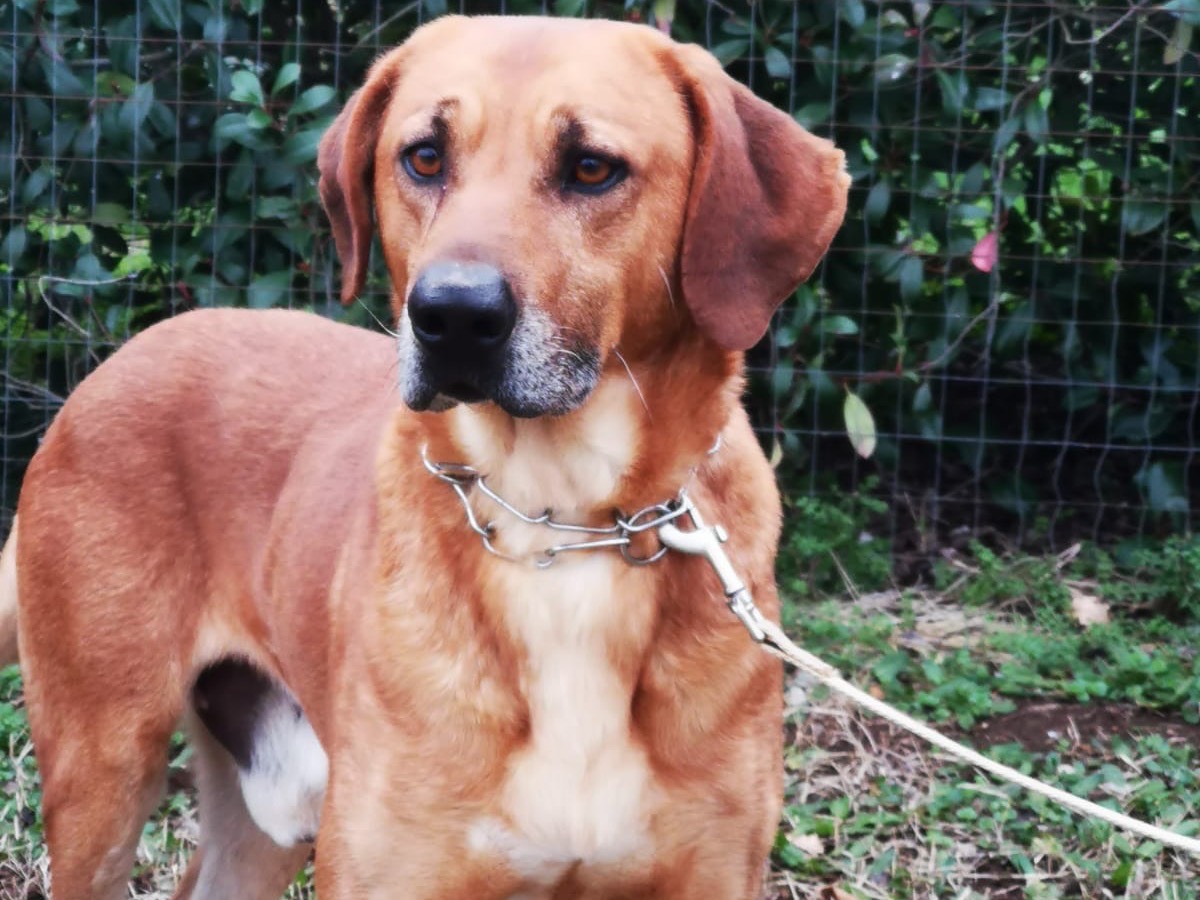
[{"x": 614, "y": 451}]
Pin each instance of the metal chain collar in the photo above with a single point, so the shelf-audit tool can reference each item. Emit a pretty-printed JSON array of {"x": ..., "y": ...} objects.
[{"x": 620, "y": 534}]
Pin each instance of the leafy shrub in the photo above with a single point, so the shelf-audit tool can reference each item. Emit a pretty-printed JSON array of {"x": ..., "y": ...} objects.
[{"x": 161, "y": 157}]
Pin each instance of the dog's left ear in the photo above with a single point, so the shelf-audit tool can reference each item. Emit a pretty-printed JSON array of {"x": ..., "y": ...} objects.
[
  {"x": 345, "y": 160},
  {"x": 766, "y": 199}
]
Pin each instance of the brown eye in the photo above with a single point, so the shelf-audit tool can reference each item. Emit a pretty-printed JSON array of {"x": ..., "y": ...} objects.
[
  {"x": 591, "y": 171},
  {"x": 423, "y": 162}
]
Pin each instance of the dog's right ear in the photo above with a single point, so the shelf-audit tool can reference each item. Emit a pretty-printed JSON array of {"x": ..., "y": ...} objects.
[{"x": 346, "y": 161}]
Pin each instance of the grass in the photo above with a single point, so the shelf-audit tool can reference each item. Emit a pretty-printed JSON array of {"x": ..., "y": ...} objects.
[
  {"x": 871, "y": 812},
  {"x": 995, "y": 646}
]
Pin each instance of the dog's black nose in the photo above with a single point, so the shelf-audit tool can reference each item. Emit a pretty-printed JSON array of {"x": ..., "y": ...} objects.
[{"x": 461, "y": 309}]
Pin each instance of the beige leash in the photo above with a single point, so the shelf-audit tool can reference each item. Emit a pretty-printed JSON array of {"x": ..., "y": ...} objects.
[{"x": 706, "y": 541}]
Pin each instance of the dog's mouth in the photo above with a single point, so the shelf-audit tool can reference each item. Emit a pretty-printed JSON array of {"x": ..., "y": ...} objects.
[
  {"x": 526, "y": 383},
  {"x": 461, "y": 392}
]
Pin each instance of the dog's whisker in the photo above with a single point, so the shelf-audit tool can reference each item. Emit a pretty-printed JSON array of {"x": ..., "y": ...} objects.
[
  {"x": 637, "y": 387},
  {"x": 378, "y": 321},
  {"x": 667, "y": 283}
]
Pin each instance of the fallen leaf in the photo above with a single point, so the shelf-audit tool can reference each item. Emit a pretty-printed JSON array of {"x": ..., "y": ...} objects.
[
  {"x": 986, "y": 251},
  {"x": 776, "y": 454},
  {"x": 860, "y": 425},
  {"x": 1087, "y": 609},
  {"x": 1068, "y": 556},
  {"x": 1177, "y": 46},
  {"x": 807, "y": 843}
]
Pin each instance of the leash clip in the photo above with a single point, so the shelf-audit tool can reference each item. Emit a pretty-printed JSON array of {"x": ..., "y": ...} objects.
[{"x": 706, "y": 540}]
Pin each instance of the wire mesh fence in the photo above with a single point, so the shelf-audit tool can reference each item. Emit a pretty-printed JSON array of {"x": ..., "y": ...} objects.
[{"x": 1015, "y": 293}]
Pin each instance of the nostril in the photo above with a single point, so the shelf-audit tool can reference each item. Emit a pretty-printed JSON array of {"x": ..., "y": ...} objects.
[
  {"x": 430, "y": 323},
  {"x": 461, "y": 308},
  {"x": 489, "y": 328}
]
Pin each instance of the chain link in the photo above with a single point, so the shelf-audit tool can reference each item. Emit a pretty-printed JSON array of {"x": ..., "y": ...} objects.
[{"x": 462, "y": 478}]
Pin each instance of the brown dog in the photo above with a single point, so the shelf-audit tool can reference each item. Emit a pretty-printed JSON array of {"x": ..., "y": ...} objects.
[{"x": 231, "y": 521}]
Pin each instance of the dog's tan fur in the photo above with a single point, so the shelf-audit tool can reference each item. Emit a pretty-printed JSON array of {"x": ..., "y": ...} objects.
[{"x": 248, "y": 484}]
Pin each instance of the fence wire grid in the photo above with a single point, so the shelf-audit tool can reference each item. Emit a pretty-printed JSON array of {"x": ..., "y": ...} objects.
[{"x": 1015, "y": 294}]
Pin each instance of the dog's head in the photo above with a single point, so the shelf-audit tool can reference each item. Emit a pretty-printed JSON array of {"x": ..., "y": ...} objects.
[{"x": 549, "y": 191}]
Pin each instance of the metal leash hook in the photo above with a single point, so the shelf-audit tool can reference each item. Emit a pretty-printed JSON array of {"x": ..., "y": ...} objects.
[{"x": 706, "y": 540}]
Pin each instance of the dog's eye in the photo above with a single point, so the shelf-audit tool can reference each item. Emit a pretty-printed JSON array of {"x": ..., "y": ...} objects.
[
  {"x": 590, "y": 173},
  {"x": 423, "y": 161}
]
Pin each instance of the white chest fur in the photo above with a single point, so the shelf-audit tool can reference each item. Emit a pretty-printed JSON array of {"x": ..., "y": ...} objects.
[{"x": 581, "y": 789}]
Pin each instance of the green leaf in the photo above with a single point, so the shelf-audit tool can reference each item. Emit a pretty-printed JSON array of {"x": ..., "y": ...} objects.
[
  {"x": 778, "y": 65},
  {"x": 812, "y": 114},
  {"x": 892, "y": 67},
  {"x": 1036, "y": 122},
  {"x": 1187, "y": 10},
  {"x": 839, "y": 325},
  {"x": 63, "y": 82},
  {"x": 166, "y": 15},
  {"x": 13, "y": 245},
  {"x": 267, "y": 290},
  {"x": 287, "y": 76},
  {"x": 860, "y": 425},
  {"x": 879, "y": 198},
  {"x": 912, "y": 277},
  {"x": 258, "y": 119},
  {"x": 1015, "y": 327},
  {"x": 235, "y": 127},
  {"x": 923, "y": 398},
  {"x": 110, "y": 214},
  {"x": 216, "y": 28},
  {"x": 115, "y": 84},
  {"x": 570, "y": 7},
  {"x": 246, "y": 88},
  {"x": 301, "y": 147},
  {"x": 1142, "y": 216},
  {"x": 89, "y": 268},
  {"x": 987, "y": 99},
  {"x": 1163, "y": 488},
  {"x": 954, "y": 89},
  {"x": 36, "y": 183},
  {"x": 275, "y": 208},
  {"x": 730, "y": 51},
  {"x": 137, "y": 107},
  {"x": 1005, "y": 133},
  {"x": 312, "y": 99},
  {"x": 853, "y": 12}
]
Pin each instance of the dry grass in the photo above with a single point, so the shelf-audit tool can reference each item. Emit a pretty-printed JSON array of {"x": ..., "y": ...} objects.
[{"x": 870, "y": 812}]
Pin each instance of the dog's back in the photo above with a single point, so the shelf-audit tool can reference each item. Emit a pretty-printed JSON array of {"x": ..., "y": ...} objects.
[{"x": 185, "y": 440}]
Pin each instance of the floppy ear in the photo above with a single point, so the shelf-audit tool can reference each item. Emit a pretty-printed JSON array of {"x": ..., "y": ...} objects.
[
  {"x": 766, "y": 199},
  {"x": 346, "y": 162}
]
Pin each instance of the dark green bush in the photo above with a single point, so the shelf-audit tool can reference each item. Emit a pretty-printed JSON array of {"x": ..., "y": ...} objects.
[{"x": 161, "y": 156}]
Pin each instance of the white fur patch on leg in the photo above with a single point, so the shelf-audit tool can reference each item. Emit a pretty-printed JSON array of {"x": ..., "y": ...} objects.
[{"x": 285, "y": 784}]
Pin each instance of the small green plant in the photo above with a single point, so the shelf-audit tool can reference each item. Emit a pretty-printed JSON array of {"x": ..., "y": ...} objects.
[
  {"x": 1164, "y": 577},
  {"x": 834, "y": 542}
]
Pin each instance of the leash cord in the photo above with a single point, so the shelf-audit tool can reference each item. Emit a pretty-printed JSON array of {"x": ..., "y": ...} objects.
[
  {"x": 707, "y": 541},
  {"x": 778, "y": 643}
]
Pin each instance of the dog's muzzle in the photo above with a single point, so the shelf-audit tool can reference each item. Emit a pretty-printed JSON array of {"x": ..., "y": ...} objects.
[
  {"x": 464, "y": 340},
  {"x": 462, "y": 315}
]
